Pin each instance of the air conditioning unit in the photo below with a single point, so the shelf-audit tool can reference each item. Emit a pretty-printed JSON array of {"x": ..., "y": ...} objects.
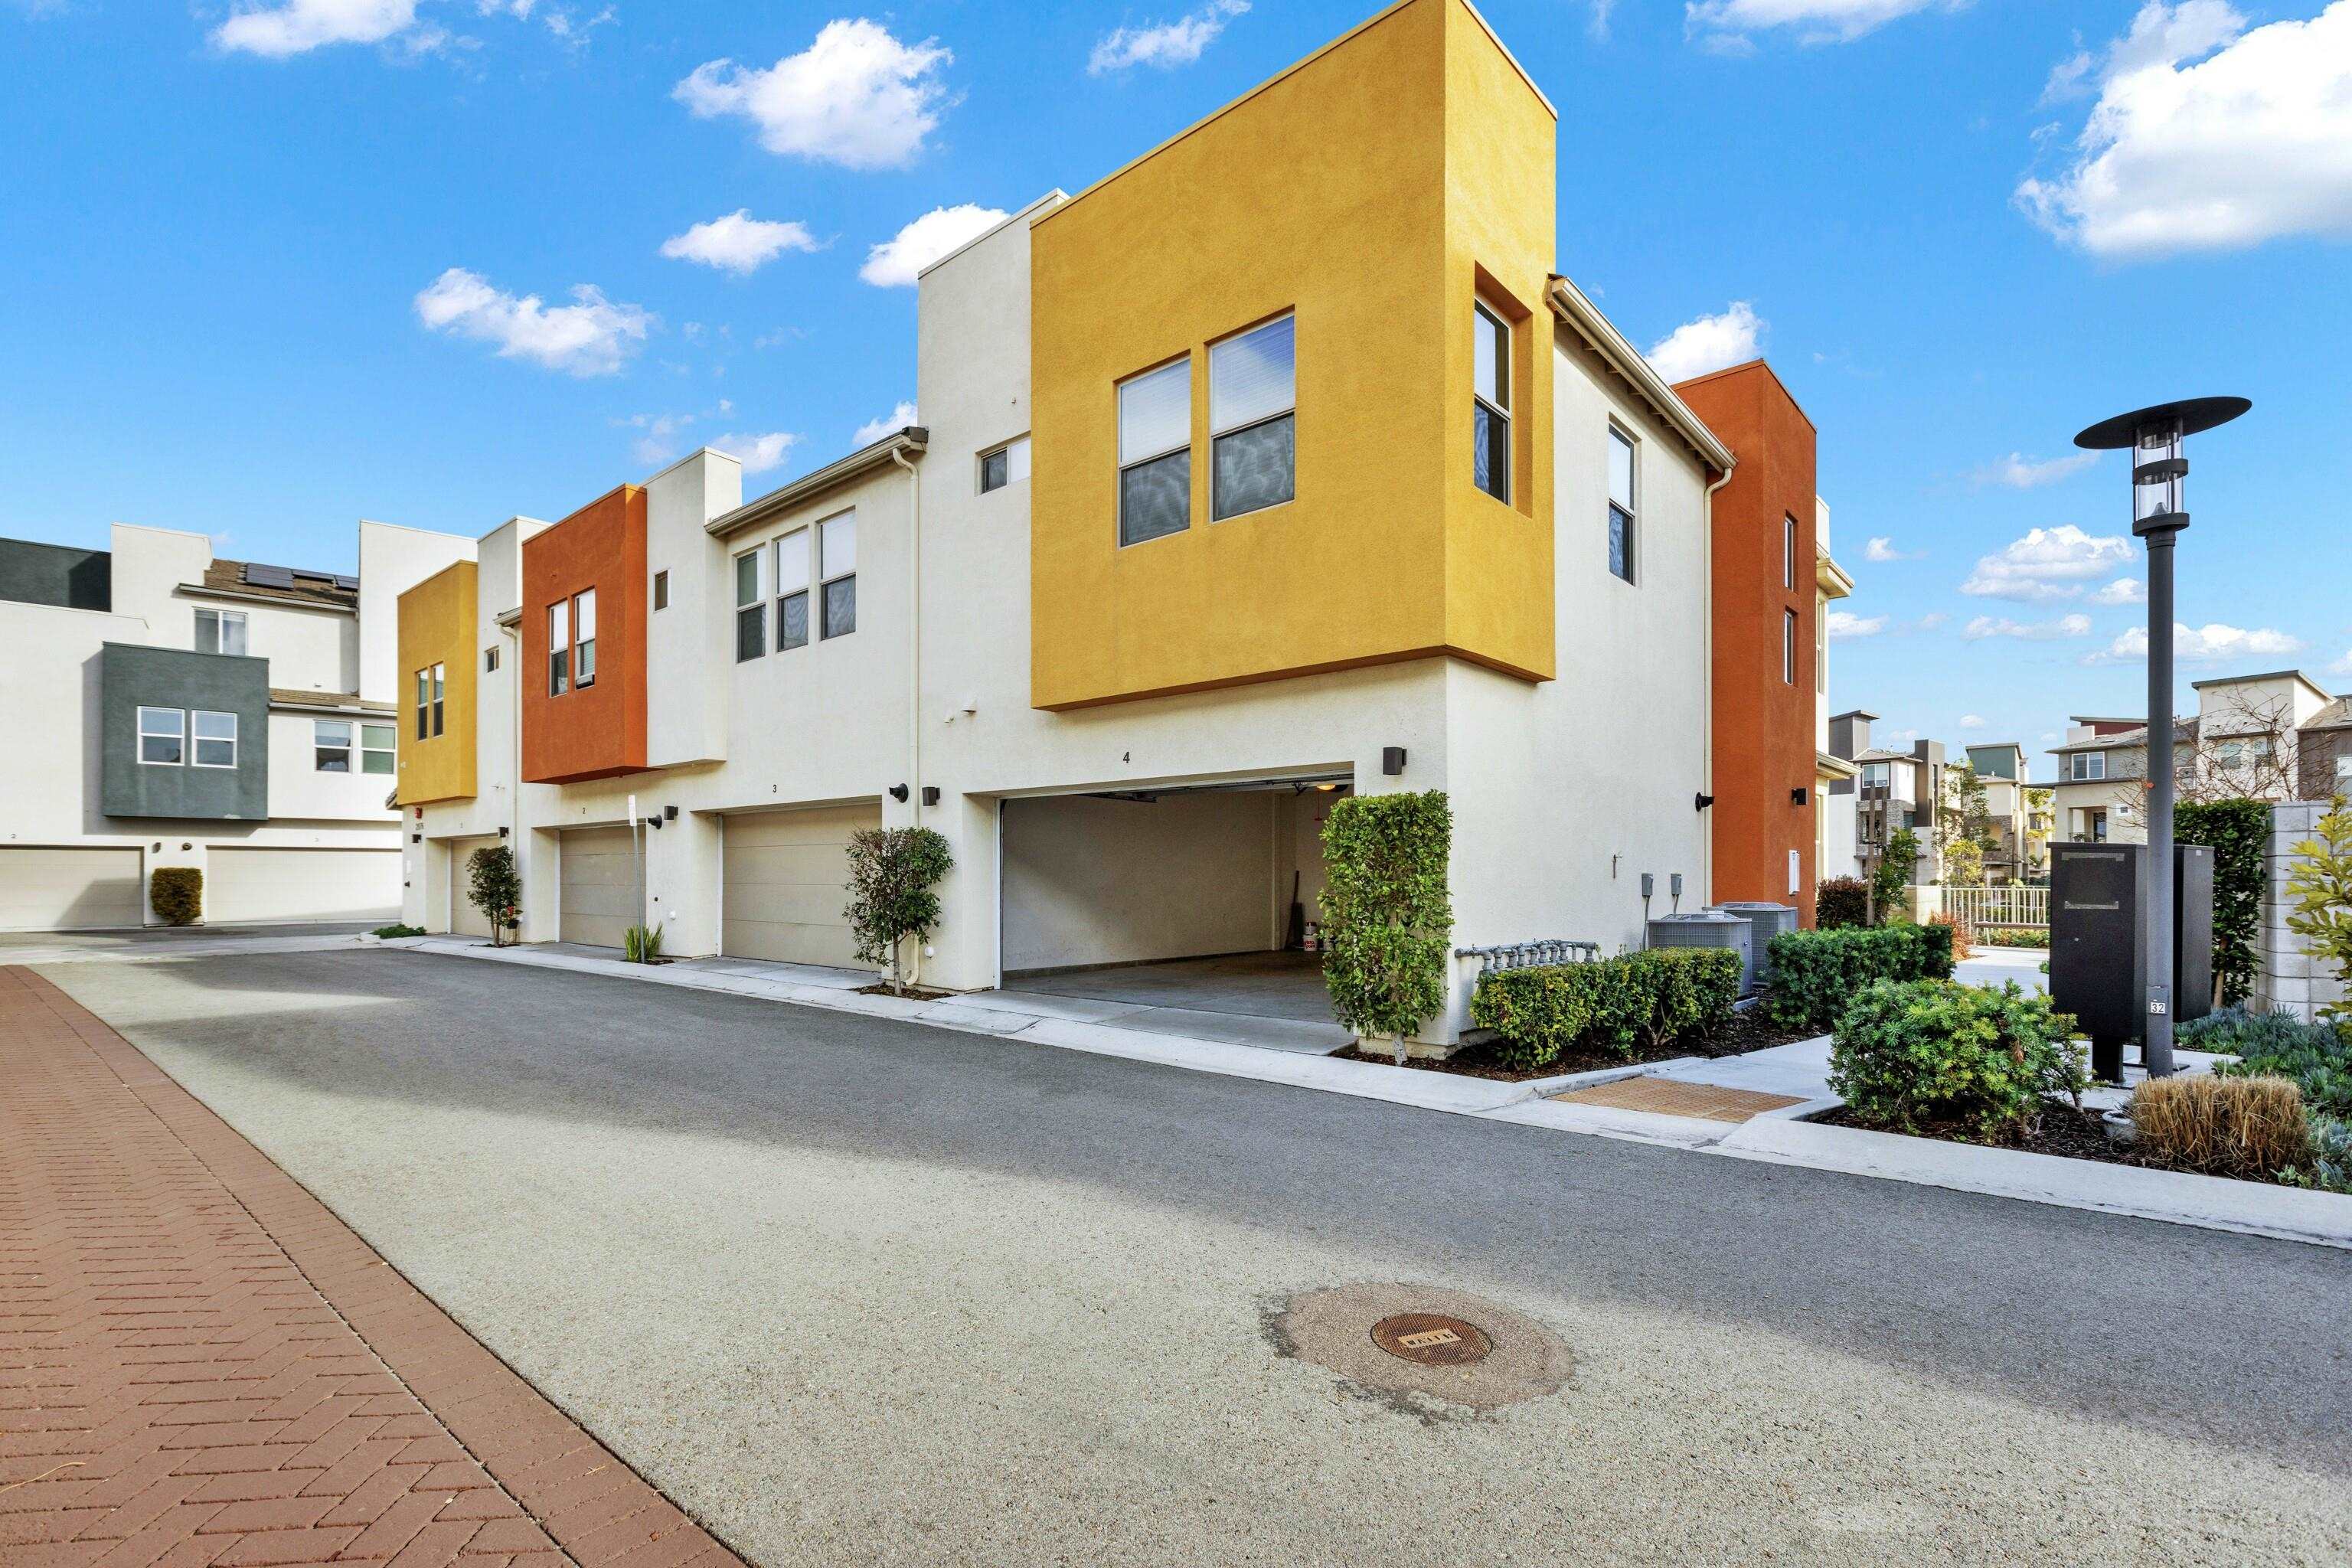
[
  {"x": 1769, "y": 920},
  {"x": 1710, "y": 928}
]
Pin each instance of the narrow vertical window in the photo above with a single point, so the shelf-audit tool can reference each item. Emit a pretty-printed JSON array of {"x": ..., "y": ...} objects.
[
  {"x": 838, "y": 574},
  {"x": 1623, "y": 539},
  {"x": 583, "y": 639},
  {"x": 661, "y": 590},
  {"x": 440, "y": 689},
  {"x": 1155, "y": 454},
  {"x": 425, "y": 703},
  {"x": 1253, "y": 404},
  {"x": 1788, "y": 552},
  {"x": 161, "y": 736},
  {"x": 1789, "y": 647},
  {"x": 1491, "y": 413},
  {"x": 490, "y": 660},
  {"x": 215, "y": 740},
  {"x": 1820, "y": 648},
  {"x": 792, "y": 590},
  {"x": 751, "y": 608},
  {"x": 559, "y": 648}
]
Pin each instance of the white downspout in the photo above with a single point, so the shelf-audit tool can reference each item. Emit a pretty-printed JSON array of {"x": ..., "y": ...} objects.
[
  {"x": 513, "y": 635},
  {"x": 1707, "y": 766},
  {"x": 914, "y": 660}
]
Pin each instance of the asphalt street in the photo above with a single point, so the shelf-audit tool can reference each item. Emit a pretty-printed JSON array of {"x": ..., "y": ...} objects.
[{"x": 853, "y": 1291}]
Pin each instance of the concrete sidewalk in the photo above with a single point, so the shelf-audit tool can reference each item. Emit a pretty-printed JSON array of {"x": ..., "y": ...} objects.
[{"x": 200, "y": 1363}]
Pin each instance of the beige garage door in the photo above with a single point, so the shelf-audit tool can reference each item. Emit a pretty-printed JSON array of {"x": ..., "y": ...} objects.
[
  {"x": 247, "y": 884},
  {"x": 600, "y": 886},
  {"x": 69, "y": 889},
  {"x": 787, "y": 878},
  {"x": 464, "y": 918}
]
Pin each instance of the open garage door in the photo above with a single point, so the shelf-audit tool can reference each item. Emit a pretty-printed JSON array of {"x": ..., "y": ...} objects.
[
  {"x": 465, "y": 920},
  {"x": 247, "y": 884},
  {"x": 599, "y": 885},
  {"x": 70, "y": 889},
  {"x": 787, "y": 880}
]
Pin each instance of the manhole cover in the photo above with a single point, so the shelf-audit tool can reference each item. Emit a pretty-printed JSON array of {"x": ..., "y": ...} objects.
[{"x": 1432, "y": 1339}]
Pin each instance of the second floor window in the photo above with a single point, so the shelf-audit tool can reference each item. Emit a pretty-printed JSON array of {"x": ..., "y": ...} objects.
[
  {"x": 559, "y": 648},
  {"x": 330, "y": 744},
  {"x": 1491, "y": 414},
  {"x": 2088, "y": 767},
  {"x": 1008, "y": 465},
  {"x": 1789, "y": 647},
  {"x": 1622, "y": 536},
  {"x": 584, "y": 639},
  {"x": 838, "y": 574},
  {"x": 1788, "y": 552},
  {"x": 216, "y": 737},
  {"x": 1253, "y": 399},
  {"x": 1155, "y": 453},
  {"x": 751, "y": 608},
  {"x": 161, "y": 736},
  {"x": 792, "y": 590},
  {"x": 220, "y": 631}
]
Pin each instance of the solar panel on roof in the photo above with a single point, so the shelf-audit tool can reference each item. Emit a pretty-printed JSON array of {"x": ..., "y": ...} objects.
[
  {"x": 260, "y": 576},
  {"x": 344, "y": 580}
]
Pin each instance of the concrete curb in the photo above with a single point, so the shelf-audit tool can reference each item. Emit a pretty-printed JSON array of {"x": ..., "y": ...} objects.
[{"x": 195, "y": 947}]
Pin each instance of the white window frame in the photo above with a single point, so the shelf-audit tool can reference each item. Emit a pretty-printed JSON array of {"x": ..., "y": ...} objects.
[
  {"x": 319, "y": 742},
  {"x": 2087, "y": 767},
  {"x": 559, "y": 649},
  {"x": 1125, "y": 463},
  {"x": 387, "y": 751},
  {"x": 1483, "y": 319},
  {"x": 440, "y": 694},
  {"x": 221, "y": 621},
  {"x": 196, "y": 742},
  {"x": 1787, "y": 551},
  {"x": 1015, "y": 454},
  {"x": 179, "y": 732},
  {"x": 1287, "y": 411},
  {"x": 1787, "y": 648},
  {"x": 823, "y": 631},
  {"x": 490, "y": 660},
  {"x": 756, "y": 603},
  {"x": 584, "y": 648},
  {"x": 801, "y": 542},
  {"x": 1631, "y": 510}
]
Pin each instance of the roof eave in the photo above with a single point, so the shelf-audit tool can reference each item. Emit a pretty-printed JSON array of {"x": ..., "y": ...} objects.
[
  {"x": 1569, "y": 302},
  {"x": 913, "y": 440}
]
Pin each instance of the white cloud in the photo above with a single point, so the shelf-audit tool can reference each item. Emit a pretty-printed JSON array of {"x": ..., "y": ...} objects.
[
  {"x": 2048, "y": 563},
  {"x": 1972, "y": 721},
  {"x": 873, "y": 430},
  {"x": 1164, "y": 45},
  {"x": 1845, "y": 623},
  {"x": 2122, "y": 591},
  {"x": 657, "y": 440},
  {"x": 2019, "y": 472},
  {"x": 856, "y": 96},
  {"x": 2206, "y": 136},
  {"x": 1598, "y": 25},
  {"x": 2342, "y": 666},
  {"x": 590, "y": 336},
  {"x": 1715, "y": 22},
  {"x": 1709, "y": 343},
  {"x": 895, "y": 262},
  {"x": 758, "y": 453},
  {"x": 1882, "y": 548},
  {"x": 298, "y": 26},
  {"x": 2209, "y": 644},
  {"x": 738, "y": 243},
  {"x": 1985, "y": 626},
  {"x": 1933, "y": 620}
]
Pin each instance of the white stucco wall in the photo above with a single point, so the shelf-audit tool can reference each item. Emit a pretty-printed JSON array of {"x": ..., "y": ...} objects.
[
  {"x": 692, "y": 635},
  {"x": 393, "y": 560}
]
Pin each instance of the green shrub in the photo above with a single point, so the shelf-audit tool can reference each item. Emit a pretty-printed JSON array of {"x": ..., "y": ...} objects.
[
  {"x": 893, "y": 875},
  {"x": 177, "y": 893},
  {"x": 1841, "y": 901},
  {"x": 2013, "y": 936},
  {"x": 641, "y": 944},
  {"x": 1611, "y": 1006},
  {"x": 1909, "y": 1056},
  {"x": 399, "y": 930},
  {"x": 494, "y": 886},
  {"x": 2317, "y": 1056},
  {"x": 2327, "y": 1164},
  {"x": 1891, "y": 880},
  {"x": 2239, "y": 832},
  {"x": 1387, "y": 922},
  {"x": 1816, "y": 973}
]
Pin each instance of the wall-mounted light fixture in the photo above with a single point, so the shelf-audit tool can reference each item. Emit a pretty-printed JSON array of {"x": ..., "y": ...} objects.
[
  {"x": 931, "y": 794},
  {"x": 1701, "y": 802},
  {"x": 1393, "y": 760},
  {"x": 1797, "y": 797},
  {"x": 502, "y": 833},
  {"x": 670, "y": 812},
  {"x": 898, "y": 792}
]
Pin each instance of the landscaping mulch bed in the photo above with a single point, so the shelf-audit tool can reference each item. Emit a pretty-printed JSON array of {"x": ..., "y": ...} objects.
[
  {"x": 1748, "y": 1031},
  {"x": 2064, "y": 1131}
]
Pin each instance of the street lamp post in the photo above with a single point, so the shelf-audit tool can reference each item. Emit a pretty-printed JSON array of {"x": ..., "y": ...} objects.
[{"x": 2159, "y": 475}]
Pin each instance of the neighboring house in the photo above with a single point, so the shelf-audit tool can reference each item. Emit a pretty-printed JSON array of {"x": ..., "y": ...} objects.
[
  {"x": 1769, "y": 671},
  {"x": 1836, "y": 849},
  {"x": 2019, "y": 812},
  {"x": 1348, "y": 491},
  {"x": 2324, "y": 752},
  {"x": 2101, "y": 783},
  {"x": 1893, "y": 790},
  {"x": 169, "y": 708}
]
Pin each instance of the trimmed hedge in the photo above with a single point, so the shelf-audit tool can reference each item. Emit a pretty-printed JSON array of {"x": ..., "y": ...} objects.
[
  {"x": 1388, "y": 922},
  {"x": 1609, "y": 1006},
  {"x": 1910, "y": 1055},
  {"x": 1816, "y": 973},
  {"x": 177, "y": 893},
  {"x": 1841, "y": 901},
  {"x": 2238, "y": 831}
]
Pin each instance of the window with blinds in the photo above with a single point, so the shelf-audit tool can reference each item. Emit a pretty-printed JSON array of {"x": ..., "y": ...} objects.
[{"x": 1253, "y": 404}]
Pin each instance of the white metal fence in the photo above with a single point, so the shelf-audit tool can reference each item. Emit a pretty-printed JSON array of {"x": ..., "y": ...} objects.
[{"x": 1997, "y": 906}]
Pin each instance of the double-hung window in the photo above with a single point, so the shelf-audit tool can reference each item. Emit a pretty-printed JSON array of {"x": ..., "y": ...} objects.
[
  {"x": 1155, "y": 453},
  {"x": 1008, "y": 465},
  {"x": 425, "y": 703},
  {"x": 162, "y": 736},
  {"x": 559, "y": 648},
  {"x": 583, "y": 641},
  {"x": 216, "y": 737},
  {"x": 792, "y": 590},
  {"x": 1253, "y": 406},
  {"x": 440, "y": 688},
  {"x": 1491, "y": 412},
  {"x": 751, "y": 608},
  {"x": 330, "y": 745},
  {"x": 220, "y": 631},
  {"x": 2089, "y": 767},
  {"x": 375, "y": 748},
  {"x": 1621, "y": 537},
  {"x": 836, "y": 548}
]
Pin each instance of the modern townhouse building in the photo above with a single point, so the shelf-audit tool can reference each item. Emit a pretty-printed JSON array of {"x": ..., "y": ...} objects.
[
  {"x": 1893, "y": 790},
  {"x": 1338, "y": 487},
  {"x": 170, "y": 708},
  {"x": 2020, "y": 814},
  {"x": 1837, "y": 850}
]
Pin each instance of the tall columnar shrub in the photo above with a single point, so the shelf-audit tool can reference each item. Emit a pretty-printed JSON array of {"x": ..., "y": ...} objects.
[
  {"x": 494, "y": 886},
  {"x": 1890, "y": 880},
  {"x": 1611, "y": 1006},
  {"x": 1816, "y": 973},
  {"x": 1920, "y": 1054},
  {"x": 2237, "y": 831},
  {"x": 2319, "y": 888},
  {"x": 1387, "y": 919},
  {"x": 177, "y": 893},
  {"x": 893, "y": 875}
]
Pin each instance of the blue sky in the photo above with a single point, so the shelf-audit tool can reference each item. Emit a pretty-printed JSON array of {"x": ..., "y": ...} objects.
[{"x": 280, "y": 264}]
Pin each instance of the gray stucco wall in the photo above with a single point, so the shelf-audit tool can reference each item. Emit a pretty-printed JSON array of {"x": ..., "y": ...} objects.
[
  {"x": 132, "y": 677},
  {"x": 58, "y": 574}
]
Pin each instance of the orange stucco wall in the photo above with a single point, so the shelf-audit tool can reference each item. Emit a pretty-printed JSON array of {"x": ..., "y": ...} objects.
[
  {"x": 1763, "y": 722},
  {"x": 598, "y": 732}
]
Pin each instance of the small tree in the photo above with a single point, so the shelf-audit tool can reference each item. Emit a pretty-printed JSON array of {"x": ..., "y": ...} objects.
[
  {"x": 1892, "y": 875},
  {"x": 495, "y": 887},
  {"x": 1387, "y": 921},
  {"x": 893, "y": 875},
  {"x": 2320, "y": 883}
]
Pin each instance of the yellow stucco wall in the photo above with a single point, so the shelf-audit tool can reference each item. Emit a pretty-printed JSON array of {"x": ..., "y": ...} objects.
[
  {"x": 1363, "y": 190},
  {"x": 438, "y": 620}
]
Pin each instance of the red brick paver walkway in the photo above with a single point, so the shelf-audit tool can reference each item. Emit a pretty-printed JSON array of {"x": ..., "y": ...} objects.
[{"x": 201, "y": 1364}]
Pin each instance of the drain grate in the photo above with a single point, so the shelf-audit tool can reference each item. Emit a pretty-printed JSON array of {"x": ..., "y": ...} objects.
[{"x": 1432, "y": 1339}]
